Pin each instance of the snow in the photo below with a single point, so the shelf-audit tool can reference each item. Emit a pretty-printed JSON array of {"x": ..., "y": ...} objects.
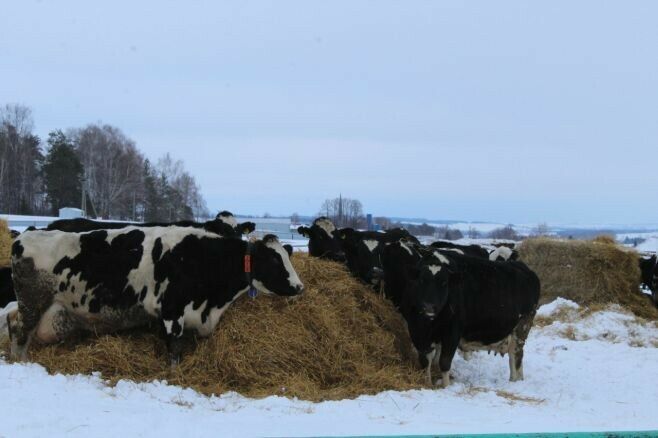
[{"x": 599, "y": 378}]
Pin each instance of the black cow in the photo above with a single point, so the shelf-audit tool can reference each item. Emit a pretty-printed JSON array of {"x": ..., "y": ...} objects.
[
  {"x": 107, "y": 280},
  {"x": 321, "y": 240},
  {"x": 455, "y": 301},
  {"x": 363, "y": 250},
  {"x": 469, "y": 250},
  {"x": 649, "y": 270},
  {"x": 7, "y": 294}
]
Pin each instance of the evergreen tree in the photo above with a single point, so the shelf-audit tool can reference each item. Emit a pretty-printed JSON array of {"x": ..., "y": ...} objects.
[{"x": 62, "y": 172}]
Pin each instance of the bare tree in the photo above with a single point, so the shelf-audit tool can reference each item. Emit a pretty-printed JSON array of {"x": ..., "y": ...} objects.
[
  {"x": 344, "y": 212},
  {"x": 541, "y": 229},
  {"x": 20, "y": 160},
  {"x": 508, "y": 232},
  {"x": 473, "y": 233},
  {"x": 112, "y": 169}
]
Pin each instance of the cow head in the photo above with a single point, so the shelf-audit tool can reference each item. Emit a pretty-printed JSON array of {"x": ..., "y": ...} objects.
[
  {"x": 648, "y": 268},
  {"x": 227, "y": 218},
  {"x": 396, "y": 258},
  {"x": 428, "y": 288},
  {"x": 322, "y": 241},
  {"x": 272, "y": 271}
]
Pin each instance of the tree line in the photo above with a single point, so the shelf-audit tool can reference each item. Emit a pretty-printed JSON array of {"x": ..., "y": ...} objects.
[{"x": 96, "y": 166}]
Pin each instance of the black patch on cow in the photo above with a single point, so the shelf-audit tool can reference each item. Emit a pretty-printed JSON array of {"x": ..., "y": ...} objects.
[
  {"x": 105, "y": 267},
  {"x": 17, "y": 249},
  {"x": 62, "y": 286},
  {"x": 83, "y": 299},
  {"x": 142, "y": 294},
  {"x": 157, "y": 250},
  {"x": 7, "y": 293}
]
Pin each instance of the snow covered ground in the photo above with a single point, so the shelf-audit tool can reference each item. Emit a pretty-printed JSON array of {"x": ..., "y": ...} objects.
[{"x": 591, "y": 374}]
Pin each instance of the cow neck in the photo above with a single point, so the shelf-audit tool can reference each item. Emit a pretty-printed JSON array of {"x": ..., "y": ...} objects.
[{"x": 248, "y": 268}]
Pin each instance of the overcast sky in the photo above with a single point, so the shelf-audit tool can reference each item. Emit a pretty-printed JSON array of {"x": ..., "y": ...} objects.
[{"x": 503, "y": 111}]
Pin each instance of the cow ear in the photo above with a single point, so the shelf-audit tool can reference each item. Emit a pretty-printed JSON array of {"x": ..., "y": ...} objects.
[
  {"x": 246, "y": 227},
  {"x": 304, "y": 231},
  {"x": 288, "y": 249}
]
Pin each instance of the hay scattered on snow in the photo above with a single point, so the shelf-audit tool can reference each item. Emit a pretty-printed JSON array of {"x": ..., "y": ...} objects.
[
  {"x": 5, "y": 244},
  {"x": 587, "y": 272},
  {"x": 338, "y": 340}
]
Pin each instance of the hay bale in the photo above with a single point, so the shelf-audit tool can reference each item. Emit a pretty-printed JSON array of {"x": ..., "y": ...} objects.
[
  {"x": 587, "y": 272},
  {"x": 338, "y": 340},
  {"x": 5, "y": 244}
]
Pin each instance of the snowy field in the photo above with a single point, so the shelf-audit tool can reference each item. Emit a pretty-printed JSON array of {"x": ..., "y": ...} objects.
[{"x": 591, "y": 374}]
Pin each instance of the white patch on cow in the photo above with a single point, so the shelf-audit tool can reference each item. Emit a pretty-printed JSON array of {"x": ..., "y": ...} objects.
[
  {"x": 370, "y": 244},
  {"x": 193, "y": 317},
  {"x": 168, "y": 325},
  {"x": 46, "y": 330},
  {"x": 456, "y": 250},
  {"x": 503, "y": 252},
  {"x": 326, "y": 225},
  {"x": 442, "y": 259},
  {"x": 228, "y": 220},
  {"x": 261, "y": 287},
  {"x": 434, "y": 269},
  {"x": 293, "y": 278},
  {"x": 404, "y": 246}
]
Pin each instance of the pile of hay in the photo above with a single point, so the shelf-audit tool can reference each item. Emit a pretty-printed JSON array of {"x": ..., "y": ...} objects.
[
  {"x": 587, "y": 272},
  {"x": 5, "y": 244},
  {"x": 338, "y": 340}
]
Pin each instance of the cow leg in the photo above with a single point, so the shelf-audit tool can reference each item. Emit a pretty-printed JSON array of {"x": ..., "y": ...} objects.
[
  {"x": 448, "y": 350},
  {"x": 512, "y": 356},
  {"x": 34, "y": 295},
  {"x": 21, "y": 325},
  {"x": 173, "y": 331},
  {"x": 517, "y": 342},
  {"x": 56, "y": 325},
  {"x": 428, "y": 370}
]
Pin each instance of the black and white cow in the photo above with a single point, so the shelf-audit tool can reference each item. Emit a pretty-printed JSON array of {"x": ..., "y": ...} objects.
[
  {"x": 453, "y": 301},
  {"x": 224, "y": 226},
  {"x": 7, "y": 294},
  {"x": 321, "y": 240},
  {"x": 107, "y": 280},
  {"x": 649, "y": 270},
  {"x": 239, "y": 227},
  {"x": 363, "y": 250},
  {"x": 503, "y": 254},
  {"x": 469, "y": 250}
]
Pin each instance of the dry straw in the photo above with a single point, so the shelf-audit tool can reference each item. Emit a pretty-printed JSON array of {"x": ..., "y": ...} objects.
[
  {"x": 587, "y": 272},
  {"x": 5, "y": 244},
  {"x": 338, "y": 340}
]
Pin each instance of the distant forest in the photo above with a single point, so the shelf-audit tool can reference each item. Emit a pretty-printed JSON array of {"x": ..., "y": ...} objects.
[{"x": 97, "y": 166}]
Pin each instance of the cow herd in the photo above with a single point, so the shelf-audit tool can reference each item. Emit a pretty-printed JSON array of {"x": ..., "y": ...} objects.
[
  {"x": 82, "y": 275},
  {"x": 451, "y": 296}
]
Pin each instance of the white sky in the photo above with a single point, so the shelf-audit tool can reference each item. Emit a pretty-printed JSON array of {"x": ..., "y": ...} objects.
[{"x": 503, "y": 111}]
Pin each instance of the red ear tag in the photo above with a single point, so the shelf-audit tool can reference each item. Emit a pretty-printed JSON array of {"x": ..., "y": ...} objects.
[{"x": 247, "y": 263}]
